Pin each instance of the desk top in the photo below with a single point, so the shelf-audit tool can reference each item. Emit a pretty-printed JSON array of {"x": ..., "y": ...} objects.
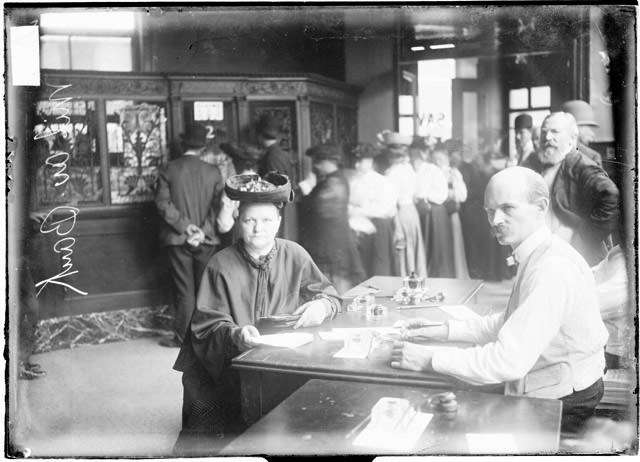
[
  {"x": 316, "y": 358},
  {"x": 319, "y": 418},
  {"x": 456, "y": 291}
]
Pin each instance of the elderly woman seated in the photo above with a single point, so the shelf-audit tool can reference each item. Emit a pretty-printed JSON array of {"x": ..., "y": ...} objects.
[{"x": 258, "y": 276}]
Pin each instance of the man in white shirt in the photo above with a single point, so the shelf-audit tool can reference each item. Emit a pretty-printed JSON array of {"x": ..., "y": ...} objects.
[
  {"x": 549, "y": 343},
  {"x": 372, "y": 207}
]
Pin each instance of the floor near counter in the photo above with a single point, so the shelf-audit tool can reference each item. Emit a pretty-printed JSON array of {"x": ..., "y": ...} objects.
[{"x": 102, "y": 400}]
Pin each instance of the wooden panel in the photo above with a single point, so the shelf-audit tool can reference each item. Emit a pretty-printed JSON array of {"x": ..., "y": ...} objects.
[
  {"x": 322, "y": 122},
  {"x": 118, "y": 260}
]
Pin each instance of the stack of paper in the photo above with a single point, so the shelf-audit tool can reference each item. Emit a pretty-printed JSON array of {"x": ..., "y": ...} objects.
[
  {"x": 618, "y": 388},
  {"x": 402, "y": 438}
]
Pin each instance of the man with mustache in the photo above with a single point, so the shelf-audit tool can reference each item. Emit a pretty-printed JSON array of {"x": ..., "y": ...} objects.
[
  {"x": 549, "y": 342},
  {"x": 584, "y": 201}
]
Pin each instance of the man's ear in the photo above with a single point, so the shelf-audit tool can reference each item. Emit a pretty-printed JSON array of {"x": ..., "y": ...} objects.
[{"x": 543, "y": 204}]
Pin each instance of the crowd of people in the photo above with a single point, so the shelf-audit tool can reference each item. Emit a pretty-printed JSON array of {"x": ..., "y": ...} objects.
[{"x": 409, "y": 205}]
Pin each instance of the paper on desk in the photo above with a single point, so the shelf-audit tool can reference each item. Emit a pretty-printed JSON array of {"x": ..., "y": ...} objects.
[
  {"x": 338, "y": 334},
  {"x": 402, "y": 440},
  {"x": 459, "y": 312},
  {"x": 286, "y": 340},
  {"x": 352, "y": 353},
  {"x": 491, "y": 443}
]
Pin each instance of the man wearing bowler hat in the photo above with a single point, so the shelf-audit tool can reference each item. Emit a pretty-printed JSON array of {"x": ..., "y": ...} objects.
[
  {"x": 524, "y": 140},
  {"x": 275, "y": 159},
  {"x": 324, "y": 220},
  {"x": 583, "y": 113},
  {"x": 187, "y": 199}
]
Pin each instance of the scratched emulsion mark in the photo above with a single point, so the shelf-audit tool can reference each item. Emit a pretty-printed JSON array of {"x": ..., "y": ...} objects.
[{"x": 62, "y": 219}]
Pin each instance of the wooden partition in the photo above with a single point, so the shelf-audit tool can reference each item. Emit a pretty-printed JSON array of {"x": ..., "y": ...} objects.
[{"x": 117, "y": 129}]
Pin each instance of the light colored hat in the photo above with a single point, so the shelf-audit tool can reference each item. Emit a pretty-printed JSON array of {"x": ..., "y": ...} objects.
[
  {"x": 389, "y": 138},
  {"x": 581, "y": 111}
]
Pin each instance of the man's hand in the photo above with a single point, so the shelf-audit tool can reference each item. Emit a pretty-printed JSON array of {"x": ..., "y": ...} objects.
[
  {"x": 417, "y": 330},
  {"x": 313, "y": 313},
  {"x": 247, "y": 338},
  {"x": 195, "y": 235},
  {"x": 411, "y": 357}
]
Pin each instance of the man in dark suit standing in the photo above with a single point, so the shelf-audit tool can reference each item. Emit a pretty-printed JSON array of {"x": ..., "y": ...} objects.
[
  {"x": 584, "y": 203},
  {"x": 188, "y": 198},
  {"x": 275, "y": 159}
]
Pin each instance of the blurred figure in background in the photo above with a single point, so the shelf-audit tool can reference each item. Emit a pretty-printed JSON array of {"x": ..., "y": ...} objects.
[
  {"x": 432, "y": 191},
  {"x": 372, "y": 207},
  {"x": 410, "y": 250},
  {"x": 583, "y": 113},
  {"x": 457, "y": 194},
  {"x": 524, "y": 140},
  {"x": 324, "y": 220},
  {"x": 215, "y": 155}
]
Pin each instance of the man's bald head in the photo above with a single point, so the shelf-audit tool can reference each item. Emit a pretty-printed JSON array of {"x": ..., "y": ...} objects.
[
  {"x": 520, "y": 181},
  {"x": 558, "y": 136},
  {"x": 516, "y": 201}
]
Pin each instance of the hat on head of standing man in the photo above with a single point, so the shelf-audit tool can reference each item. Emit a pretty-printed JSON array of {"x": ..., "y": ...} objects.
[
  {"x": 585, "y": 118},
  {"x": 523, "y": 126}
]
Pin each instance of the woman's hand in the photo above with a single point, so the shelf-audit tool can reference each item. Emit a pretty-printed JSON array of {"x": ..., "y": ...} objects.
[
  {"x": 313, "y": 313},
  {"x": 246, "y": 339}
]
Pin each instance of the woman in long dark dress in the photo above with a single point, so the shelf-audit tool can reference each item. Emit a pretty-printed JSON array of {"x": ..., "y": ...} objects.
[{"x": 258, "y": 276}]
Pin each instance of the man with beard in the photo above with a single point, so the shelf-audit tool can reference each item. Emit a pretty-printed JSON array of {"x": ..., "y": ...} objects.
[
  {"x": 584, "y": 200},
  {"x": 549, "y": 342}
]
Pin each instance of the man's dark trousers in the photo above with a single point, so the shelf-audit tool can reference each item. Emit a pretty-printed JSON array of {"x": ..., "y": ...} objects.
[{"x": 187, "y": 266}]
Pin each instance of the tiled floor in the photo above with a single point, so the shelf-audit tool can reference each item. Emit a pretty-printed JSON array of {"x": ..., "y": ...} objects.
[{"x": 117, "y": 399}]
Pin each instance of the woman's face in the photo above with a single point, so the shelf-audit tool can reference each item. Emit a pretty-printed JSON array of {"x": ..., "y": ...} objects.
[
  {"x": 259, "y": 224},
  {"x": 441, "y": 159}
]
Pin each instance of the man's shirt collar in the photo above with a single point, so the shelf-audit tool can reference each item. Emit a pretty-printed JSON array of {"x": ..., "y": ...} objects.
[{"x": 526, "y": 247}]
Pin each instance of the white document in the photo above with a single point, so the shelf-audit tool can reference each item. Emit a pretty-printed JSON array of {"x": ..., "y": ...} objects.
[
  {"x": 491, "y": 443},
  {"x": 286, "y": 340},
  {"x": 352, "y": 353},
  {"x": 402, "y": 439},
  {"x": 459, "y": 312},
  {"x": 331, "y": 336},
  {"x": 382, "y": 330}
]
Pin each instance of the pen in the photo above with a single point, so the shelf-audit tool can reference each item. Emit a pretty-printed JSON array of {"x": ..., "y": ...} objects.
[
  {"x": 413, "y": 307},
  {"x": 358, "y": 427}
]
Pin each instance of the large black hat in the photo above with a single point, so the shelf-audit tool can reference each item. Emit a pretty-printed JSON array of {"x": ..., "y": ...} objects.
[
  {"x": 273, "y": 187},
  {"x": 325, "y": 151},
  {"x": 195, "y": 136},
  {"x": 523, "y": 121},
  {"x": 269, "y": 126}
]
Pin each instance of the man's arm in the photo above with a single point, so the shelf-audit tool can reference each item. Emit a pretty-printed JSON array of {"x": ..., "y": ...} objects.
[
  {"x": 208, "y": 227},
  {"x": 598, "y": 191},
  {"x": 545, "y": 294},
  {"x": 166, "y": 208}
]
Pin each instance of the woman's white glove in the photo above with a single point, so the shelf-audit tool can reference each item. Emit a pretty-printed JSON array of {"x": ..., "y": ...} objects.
[
  {"x": 313, "y": 313},
  {"x": 246, "y": 338}
]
